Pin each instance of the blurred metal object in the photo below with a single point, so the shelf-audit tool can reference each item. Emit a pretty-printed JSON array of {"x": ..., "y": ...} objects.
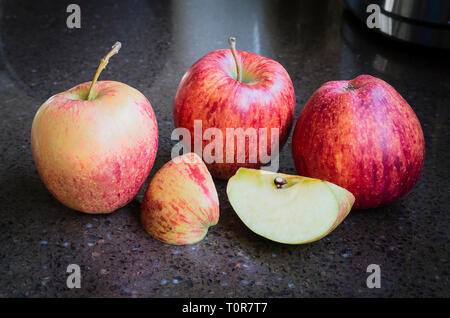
[{"x": 422, "y": 22}]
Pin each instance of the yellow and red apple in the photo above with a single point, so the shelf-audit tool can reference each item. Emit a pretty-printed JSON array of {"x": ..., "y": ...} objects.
[
  {"x": 363, "y": 136},
  {"x": 94, "y": 145},
  {"x": 181, "y": 202},
  {"x": 236, "y": 90}
]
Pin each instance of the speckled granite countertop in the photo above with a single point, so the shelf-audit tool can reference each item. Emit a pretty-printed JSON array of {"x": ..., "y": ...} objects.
[{"x": 316, "y": 43}]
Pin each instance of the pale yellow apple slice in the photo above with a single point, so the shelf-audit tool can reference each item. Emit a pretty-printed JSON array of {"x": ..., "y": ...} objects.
[{"x": 300, "y": 211}]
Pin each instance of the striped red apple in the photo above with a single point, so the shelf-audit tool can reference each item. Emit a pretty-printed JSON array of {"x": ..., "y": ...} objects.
[
  {"x": 230, "y": 89},
  {"x": 94, "y": 145},
  {"x": 363, "y": 136}
]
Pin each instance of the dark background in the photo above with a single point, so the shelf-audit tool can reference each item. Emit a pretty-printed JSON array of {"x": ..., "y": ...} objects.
[{"x": 316, "y": 42}]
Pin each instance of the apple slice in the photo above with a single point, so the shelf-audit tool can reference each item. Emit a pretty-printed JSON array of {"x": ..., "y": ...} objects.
[
  {"x": 287, "y": 208},
  {"x": 181, "y": 202}
]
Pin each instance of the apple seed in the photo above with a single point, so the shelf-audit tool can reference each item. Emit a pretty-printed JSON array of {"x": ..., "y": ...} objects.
[{"x": 279, "y": 182}]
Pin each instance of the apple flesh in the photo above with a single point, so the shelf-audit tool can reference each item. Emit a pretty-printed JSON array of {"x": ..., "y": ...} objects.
[
  {"x": 262, "y": 98},
  {"x": 363, "y": 136},
  {"x": 94, "y": 155},
  {"x": 181, "y": 202},
  {"x": 299, "y": 210}
]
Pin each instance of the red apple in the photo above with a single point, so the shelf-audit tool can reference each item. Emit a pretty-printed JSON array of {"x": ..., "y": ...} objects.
[
  {"x": 181, "y": 202},
  {"x": 94, "y": 145},
  {"x": 363, "y": 136},
  {"x": 236, "y": 89}
]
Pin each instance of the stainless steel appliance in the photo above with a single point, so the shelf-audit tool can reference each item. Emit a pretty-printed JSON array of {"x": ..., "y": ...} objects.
[{"x": 424, "y": 22}]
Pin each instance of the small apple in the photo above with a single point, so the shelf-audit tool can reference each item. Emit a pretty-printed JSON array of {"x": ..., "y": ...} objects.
[
  {"x": 181, "y": 202},
  {"x": 363, "y": 136},
  {"x": 287, "y": 208},
  {"x": 94, "y": 145},
  {"x": 236, "y": 90}
]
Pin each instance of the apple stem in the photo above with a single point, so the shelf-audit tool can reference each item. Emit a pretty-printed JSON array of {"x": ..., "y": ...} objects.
[
  {"x": 232, "y": 43},
  {"x": 279, "y": 182},
  {"x": 350, "y": 87},
  {"x": 115, "y": 49}
]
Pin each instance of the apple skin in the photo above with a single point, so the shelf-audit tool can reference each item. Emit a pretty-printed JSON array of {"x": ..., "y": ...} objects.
[
  {"x": 181, "y": 202},
  {"x": 364, "y": 138},
  {"x": 209, "y": 92},
  {"x": 94, "y": 155}
]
